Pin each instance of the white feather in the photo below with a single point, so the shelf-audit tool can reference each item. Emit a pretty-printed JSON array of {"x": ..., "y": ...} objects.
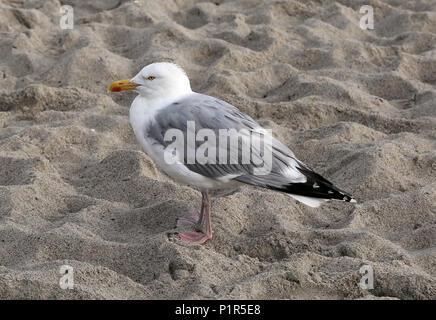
[{"x": 311, "y": 202}]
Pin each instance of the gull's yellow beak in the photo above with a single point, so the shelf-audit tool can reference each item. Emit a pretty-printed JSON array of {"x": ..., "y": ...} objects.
[{"x": 121, "y": 85}]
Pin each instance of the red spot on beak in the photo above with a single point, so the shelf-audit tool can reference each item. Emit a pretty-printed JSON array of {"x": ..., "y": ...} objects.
[{"x": 121, "y": 85}]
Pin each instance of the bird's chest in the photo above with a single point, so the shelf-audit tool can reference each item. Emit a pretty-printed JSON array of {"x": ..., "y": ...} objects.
[{"x": 142, "y": 119}]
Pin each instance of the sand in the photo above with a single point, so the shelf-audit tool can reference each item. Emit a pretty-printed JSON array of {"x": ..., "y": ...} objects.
[{"x": 359, "y": 106}]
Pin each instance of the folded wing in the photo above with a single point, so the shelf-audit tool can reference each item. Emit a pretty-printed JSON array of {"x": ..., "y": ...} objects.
[{"x": 224, "y": 159}]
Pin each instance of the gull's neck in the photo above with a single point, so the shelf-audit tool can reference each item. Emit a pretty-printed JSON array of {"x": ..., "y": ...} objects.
[
  {"x": 157, "y": 102},
  {"x": 143, "y": 108}
]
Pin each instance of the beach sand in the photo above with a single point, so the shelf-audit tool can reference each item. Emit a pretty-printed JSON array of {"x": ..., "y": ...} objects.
[{"x": 358, "y": 106}]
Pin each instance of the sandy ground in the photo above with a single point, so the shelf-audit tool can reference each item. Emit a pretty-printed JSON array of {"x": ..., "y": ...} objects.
[{"x": 358, "y": 106}]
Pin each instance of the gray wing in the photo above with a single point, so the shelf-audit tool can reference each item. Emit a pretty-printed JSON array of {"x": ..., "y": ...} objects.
[
  {"x": 213, "y": 114},
  {"x": 286, "y": 174}
]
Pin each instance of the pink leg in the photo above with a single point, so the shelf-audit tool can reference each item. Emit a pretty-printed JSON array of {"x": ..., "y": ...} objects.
[
  {"x": 191, "y": 219},
  {"x": 200, "y": 237}
]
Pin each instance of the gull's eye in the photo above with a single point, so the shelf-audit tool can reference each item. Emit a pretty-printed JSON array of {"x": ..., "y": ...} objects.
[{"x": 151, "y": 78}]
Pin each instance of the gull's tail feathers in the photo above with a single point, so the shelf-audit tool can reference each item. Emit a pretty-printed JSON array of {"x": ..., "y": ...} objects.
[{"x": 315, "y": 191}]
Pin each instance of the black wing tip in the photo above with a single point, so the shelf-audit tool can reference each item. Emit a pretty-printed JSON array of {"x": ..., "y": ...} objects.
[
  {"x": 317, "y": 186},
  {"x": 346, "y": 198}
]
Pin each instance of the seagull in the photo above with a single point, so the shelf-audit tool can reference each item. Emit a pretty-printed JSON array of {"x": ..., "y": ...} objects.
[{"x": 166, "y": 103}]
